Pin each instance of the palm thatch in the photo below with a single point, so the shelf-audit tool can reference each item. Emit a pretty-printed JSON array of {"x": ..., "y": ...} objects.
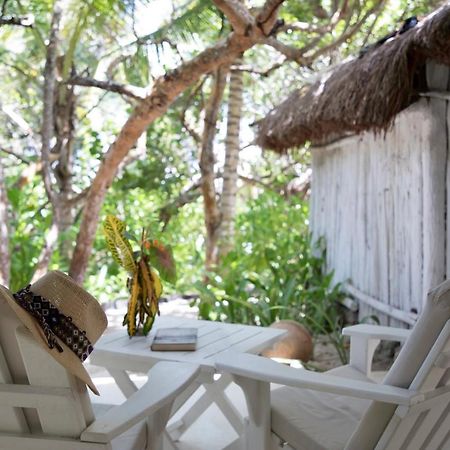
[{"x": 363, "y": 94}]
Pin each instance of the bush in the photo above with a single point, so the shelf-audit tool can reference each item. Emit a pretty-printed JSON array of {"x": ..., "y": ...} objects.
[{"x": 275, "y": 272}]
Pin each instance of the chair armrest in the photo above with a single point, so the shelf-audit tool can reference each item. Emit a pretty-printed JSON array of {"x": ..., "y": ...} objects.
[
  {"x": 377, "y": 332},
  {"x": 266, "y": 370},
  {"x": 166, "y": 380},
  {"x": 364, "y": 339}
]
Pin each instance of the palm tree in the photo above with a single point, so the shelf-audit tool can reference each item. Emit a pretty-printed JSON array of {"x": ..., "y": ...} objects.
[{"x": 232, "y": 147}]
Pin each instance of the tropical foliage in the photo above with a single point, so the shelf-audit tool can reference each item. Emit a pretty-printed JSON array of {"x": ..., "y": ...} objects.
[
  {"x": 276, "y": 271},
  {"x": 90, "y": 130},
  {"x": 144, "y": 282}
]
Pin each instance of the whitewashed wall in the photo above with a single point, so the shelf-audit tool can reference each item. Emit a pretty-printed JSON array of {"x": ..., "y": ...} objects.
[{"x": 380, "y": 201}]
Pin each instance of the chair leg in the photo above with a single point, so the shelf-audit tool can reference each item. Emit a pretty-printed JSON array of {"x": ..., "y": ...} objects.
[
  {"x": 237, "y": 444},
  {"x": 257, "y": 396},
  {"x": 156, "y": 426},
  {"x": 168, "y": 443}
]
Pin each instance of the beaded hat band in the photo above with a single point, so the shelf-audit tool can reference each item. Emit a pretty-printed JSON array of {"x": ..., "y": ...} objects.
[{"x": 54, "y": 324}]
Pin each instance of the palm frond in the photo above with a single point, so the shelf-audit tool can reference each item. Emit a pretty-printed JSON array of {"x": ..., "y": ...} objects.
[{"x": 194, "y": 17}]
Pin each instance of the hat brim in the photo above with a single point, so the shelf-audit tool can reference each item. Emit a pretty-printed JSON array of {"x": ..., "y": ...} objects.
[{"x": 66, "y": 358}]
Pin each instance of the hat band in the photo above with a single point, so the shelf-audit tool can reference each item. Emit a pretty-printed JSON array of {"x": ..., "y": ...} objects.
[{"x": 54, "y": 324}]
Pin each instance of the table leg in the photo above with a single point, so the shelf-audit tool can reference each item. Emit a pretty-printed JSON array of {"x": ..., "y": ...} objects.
[
  {"x": 169, "y": 443},
  {"x": 189, "y": 391},
  {"x": 123, "y": 381},
  {"x": 214, "y": 393},
  {"x": 220, "y": 398}
]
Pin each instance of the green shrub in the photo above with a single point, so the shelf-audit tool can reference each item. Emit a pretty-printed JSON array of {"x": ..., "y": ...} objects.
[{"x": 275, "y": 272}]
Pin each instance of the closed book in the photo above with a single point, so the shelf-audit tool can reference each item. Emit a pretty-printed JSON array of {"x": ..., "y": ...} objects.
[{"x": 174, "y": 339}]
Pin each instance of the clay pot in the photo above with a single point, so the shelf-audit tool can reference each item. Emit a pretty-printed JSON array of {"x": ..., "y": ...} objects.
[{"x": 297, "y": 344}]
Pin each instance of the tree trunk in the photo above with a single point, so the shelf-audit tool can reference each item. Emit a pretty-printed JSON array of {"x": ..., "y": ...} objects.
[
  {"x": 232, "y": 146},
  {"x": 5, "y": 260},
  {"x": 248, "y": 31},
  {"x": 165, "y": 90},
  {"x": 51, "y": 239},
  {"x": 47, "y": 133},
  {"x": 49, "y": 90},
  {"x": 64, "y": 120},
  {"x": 207, "y": 160}
]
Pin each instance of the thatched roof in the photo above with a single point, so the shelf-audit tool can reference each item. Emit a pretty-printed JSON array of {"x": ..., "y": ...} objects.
[{"x": 364, "y": 93}]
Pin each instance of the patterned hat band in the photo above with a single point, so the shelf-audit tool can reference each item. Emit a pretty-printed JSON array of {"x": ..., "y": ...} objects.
[{"x": 54, "y": 324}]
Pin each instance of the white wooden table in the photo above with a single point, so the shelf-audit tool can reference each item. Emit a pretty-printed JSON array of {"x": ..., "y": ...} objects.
[{"x": 119, "y": 355}]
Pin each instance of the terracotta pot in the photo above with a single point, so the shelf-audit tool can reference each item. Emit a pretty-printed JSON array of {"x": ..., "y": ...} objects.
[{"x": 297, "y": 344}]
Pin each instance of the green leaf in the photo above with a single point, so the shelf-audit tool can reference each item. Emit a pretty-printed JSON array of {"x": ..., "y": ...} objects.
[
  {"x": 161, "y": 257},
  {"x": 136, "y": 68},
  {"x": 14, "y": 197},
  {"x": 130, "y": 237},
  {"x": 195, "y": 16}
]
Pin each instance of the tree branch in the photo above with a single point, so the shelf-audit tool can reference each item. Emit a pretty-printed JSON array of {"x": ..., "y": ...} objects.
[
  {"x": 237, "y": 14},
  {"x": 31, "y": 170},
  {"x": 134, "y": 92},
  {"x": 259, "y": 183},
  {"x": 262, "y": 73},
  {"x": 188, "y": 195},
  {"x": 189, "y": 127},
  {"x": 300, "y": 26},
  {"x": 74, "y": 201},
  {"x": 3, "y": 9},
  {"x": 267, "y": 17},
  {"x": 109, "y": 72},
  {"x": 17, "y": 119},
  {"x": 291, "y": 53},
  {"x": 16, "y": 155},
  {"x": 25, "y": 21},
  {"x": 348, "y": 33},
  {"x": 163, "y": 93},
  {"x": 301, "y": 56}
]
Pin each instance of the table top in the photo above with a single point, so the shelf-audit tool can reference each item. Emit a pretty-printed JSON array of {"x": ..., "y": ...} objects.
[{"x": 117, "y": 350}]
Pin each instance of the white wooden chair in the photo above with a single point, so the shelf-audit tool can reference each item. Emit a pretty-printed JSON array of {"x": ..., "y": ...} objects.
[
  {"x": 345, "y": 407},
  {"x": 43, "y": 407}
]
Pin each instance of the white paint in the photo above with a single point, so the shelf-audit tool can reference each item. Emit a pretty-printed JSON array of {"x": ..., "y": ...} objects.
[
  {"x": 380, "y": 201},
  {"x": 420, "y": 420}
]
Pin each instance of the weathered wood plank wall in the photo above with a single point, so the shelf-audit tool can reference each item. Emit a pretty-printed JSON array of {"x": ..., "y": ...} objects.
[{"x": 380, "y": 201}]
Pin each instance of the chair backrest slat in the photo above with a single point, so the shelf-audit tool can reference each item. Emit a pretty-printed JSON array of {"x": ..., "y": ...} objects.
[
  {"x": 419, "y": 428},
  {"x": 416, "y": 429},
  {"x": 11, "y": 419},
  {"x": 404, "y": 432},
  {"x": 17, "y": 373},
  {"x": 417, "y": 367},
  {"x": 62, "y": 418},
  {"x": 24, "y": 362},
  {"x": 430, "y": 373},
  {"x": 423, "y": 431},
  {"x": 438, "y": 438}
]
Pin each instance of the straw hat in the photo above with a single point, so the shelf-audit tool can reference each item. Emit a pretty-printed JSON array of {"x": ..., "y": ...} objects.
[{"x": 65, "y": 319}]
